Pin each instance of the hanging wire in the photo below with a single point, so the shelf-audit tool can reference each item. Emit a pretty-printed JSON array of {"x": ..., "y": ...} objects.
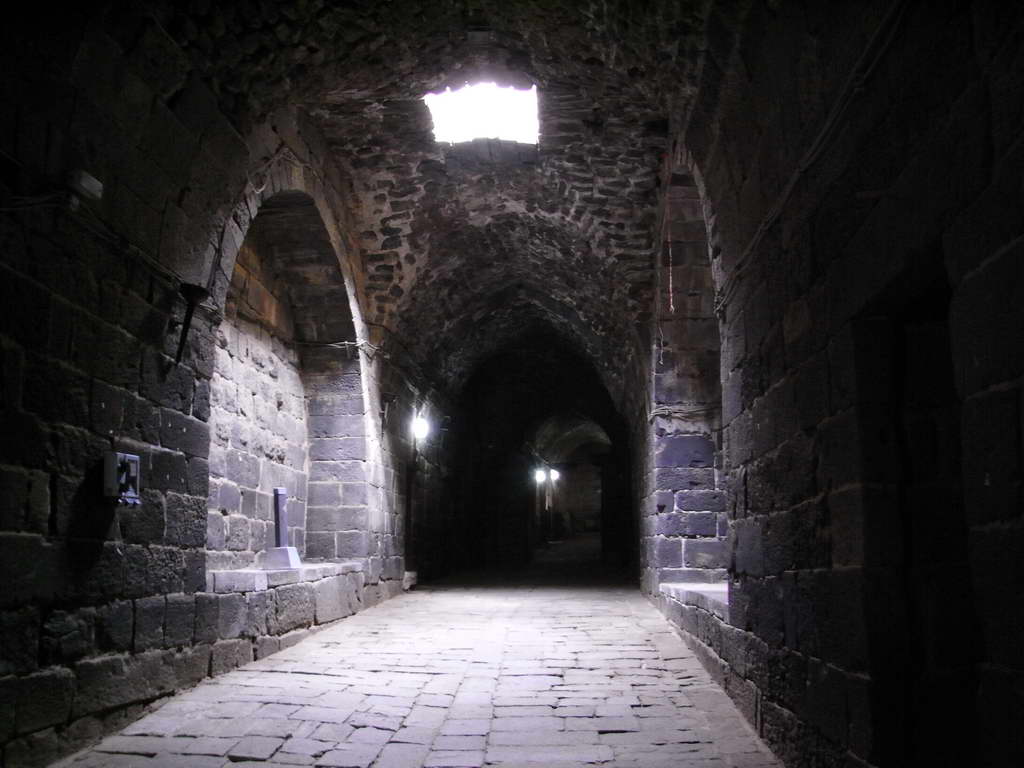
[
  {"x": 92, "y": 221},
  {"x": 682, "y": 411},
  {"x": 347, "y": 345},
  {"x": 88, "y": 219},
  {"x": 21, "y": 203},
  {"x": 661, "y": 345},
  {"x": 671, "y": 261}
]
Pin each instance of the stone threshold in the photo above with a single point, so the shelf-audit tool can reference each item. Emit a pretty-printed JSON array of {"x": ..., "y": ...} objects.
[
  {"x": 260, "y": 580},
  {"x": 713, "y": 598}
]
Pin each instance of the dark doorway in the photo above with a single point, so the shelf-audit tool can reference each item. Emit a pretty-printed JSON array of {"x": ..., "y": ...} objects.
[{"x": 537, "y": 406}]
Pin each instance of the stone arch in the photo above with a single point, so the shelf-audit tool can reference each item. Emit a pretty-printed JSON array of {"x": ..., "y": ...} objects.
[
  {"x": 288, "y": 393},
  {"x": 283, "y": 170}
]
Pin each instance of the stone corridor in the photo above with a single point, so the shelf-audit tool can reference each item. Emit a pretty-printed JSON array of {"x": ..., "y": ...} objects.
[
  {"x": 746, "y": 310},
  {"x": 459, "y": 676}
]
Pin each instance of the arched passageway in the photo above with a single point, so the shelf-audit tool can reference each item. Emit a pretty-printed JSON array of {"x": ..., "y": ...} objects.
[
  {"x": 578, "y": 489},
  {"x": 286, "y": 380},
  {"x": 528, "y": 408},
  {"x": 770, "y": 249}
]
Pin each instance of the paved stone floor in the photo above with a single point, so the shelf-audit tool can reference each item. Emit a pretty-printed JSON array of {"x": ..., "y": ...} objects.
[{"x": 459, "y": 676}]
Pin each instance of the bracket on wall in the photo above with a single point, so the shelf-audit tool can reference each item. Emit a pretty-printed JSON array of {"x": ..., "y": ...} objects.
[
  {"x": 386, "y": 399},
  {"x": 122, "y": 478},
  {"x": 193, "y": 295}
]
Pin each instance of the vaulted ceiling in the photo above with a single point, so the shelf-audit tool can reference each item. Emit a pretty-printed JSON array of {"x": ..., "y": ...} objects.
[{"x": 465, "y": 248}]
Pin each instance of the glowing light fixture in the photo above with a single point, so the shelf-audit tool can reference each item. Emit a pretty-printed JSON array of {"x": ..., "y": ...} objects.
[
  {"x": 554, "y": 474},
  {"x": 420, "y": 428},
  {"x": 484, "y": 111},
  {"x": 540, "y": 475}
]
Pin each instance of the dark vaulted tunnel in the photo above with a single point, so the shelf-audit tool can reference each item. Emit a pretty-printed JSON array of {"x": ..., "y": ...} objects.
[{"x": 743, "y": 330}]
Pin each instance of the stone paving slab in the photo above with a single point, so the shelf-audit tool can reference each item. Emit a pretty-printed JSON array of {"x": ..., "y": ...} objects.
[{"x": 458, "y": 678}]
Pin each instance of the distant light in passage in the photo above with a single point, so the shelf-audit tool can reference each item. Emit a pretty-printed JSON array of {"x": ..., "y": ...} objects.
[
  {"x": 540, "y": 475},
  {"x": 554, "y": 474},
  {"x": 484, "y": 111},
  {"x": 420, "y": 428}
]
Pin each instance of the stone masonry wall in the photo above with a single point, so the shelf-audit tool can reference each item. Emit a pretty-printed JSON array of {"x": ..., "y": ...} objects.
[
  {"x": 684, "y": 522},
  {"x": 840, "y": 148},
  {"x": 826, "y": 216},
  {"x": 104, "y": 608},
  {"x": 259, "y": 433}
]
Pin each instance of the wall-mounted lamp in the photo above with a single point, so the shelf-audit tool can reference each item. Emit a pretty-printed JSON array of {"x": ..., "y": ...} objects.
[
  {"x": 554, "y": 474},
  {"x": 420, "y": 428},
  {"x": 542, "y": 475}
]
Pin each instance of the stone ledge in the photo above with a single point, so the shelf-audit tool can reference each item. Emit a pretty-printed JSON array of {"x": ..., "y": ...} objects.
[
  {"x": 258, "y": 580},
  {"x": 698, "y": 576},
  {"x": 713, "y": 598}
]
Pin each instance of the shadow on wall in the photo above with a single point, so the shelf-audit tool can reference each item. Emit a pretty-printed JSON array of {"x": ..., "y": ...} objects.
[
  {"x": 90, "y": 518},
  {"x": 913, "y": 538}
]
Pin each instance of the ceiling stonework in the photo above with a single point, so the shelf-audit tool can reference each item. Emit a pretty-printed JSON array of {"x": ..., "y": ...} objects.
[{"x": 464, "y": 247}]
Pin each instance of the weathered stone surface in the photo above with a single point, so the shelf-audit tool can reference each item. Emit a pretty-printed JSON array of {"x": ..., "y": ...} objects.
[
  {"x": 295, "y": 607},
  {"x": 684, "y": 451},
  {"x": 229, "y": 654},
  {"x": 351, "y": 544},
  {"x": 207, "y": 615},
  {"x": 331, "y": 602},
  {"x": 185, "y": 434},
  {"x": 186, "y": 520},
  {"x": 216, "y": 530},
  {"x": 112, "y": 681},
  {"x": 114, "y": 626},
  {"x": 248, "y": 580},
  {"x": 634, "y": 690},
  {"x": 704, "y": 553},
  {"x": 687, "y": 524},
  {"x": 838, "y": 307},
  {"x": 150, "y": 613},
  {"x": 44, "y": 699},
  {"x": 179, "y": 621},
  {"x": 231, "y": 615},
  {"x": 24, "y": 500},
  {"x": 19, "y": 634},
  {"x": 65, "y": 636}
]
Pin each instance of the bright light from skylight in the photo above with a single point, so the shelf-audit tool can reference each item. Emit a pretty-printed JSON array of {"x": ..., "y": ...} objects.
[{"x": 484, "y": 111}]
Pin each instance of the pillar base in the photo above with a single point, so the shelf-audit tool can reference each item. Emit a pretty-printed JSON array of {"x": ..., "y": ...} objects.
[{"x": 278, "y": 558}]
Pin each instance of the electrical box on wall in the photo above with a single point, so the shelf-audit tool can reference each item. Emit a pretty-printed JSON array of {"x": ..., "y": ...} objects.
[{"x": 122, "y": 478}]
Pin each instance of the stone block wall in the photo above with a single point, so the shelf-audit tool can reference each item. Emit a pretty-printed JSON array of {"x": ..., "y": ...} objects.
[
  {"x": 104, "y": 607},
  {"x": 408, "y": 505},
  {"x": 259, "y": 442},
  {"x": 88, "y": 367},
  {"x": 339, "y": 492},
  {"x": 850, "y": 207},
  {"x": 838, "y": 147},
  {"x": 684, "y": 519}
]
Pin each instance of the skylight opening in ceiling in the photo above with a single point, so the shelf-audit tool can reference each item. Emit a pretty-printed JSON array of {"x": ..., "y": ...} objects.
[{"x": 484, "y": 111}]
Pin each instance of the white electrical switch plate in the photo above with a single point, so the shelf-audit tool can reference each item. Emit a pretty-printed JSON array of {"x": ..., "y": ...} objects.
[{"x": 122, "y": 477}]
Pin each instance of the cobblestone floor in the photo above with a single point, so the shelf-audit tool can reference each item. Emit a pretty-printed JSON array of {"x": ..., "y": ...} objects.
[{"x": 460, "y": 677}]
